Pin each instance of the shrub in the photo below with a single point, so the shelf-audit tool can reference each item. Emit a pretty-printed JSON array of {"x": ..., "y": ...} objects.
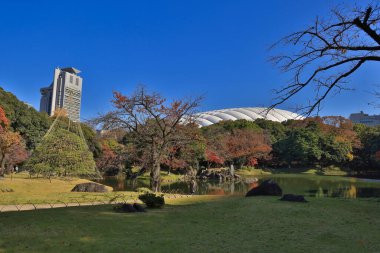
[{"x": 151, "y": 200}]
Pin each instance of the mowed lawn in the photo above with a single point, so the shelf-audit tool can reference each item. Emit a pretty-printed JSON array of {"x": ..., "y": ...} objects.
[
  {"x": 39, "y": 191},
  {"x": 226, "y": 224}
]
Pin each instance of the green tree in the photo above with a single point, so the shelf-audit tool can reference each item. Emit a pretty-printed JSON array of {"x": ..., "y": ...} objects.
[
  {"x": 276, "y": 130},
  {"x": 366, "y": 156},
  {"x": 62, "y": 153},
  {"x": 300, "y": 145},
  {"x": 31, "y": 124},
  {"x": 310, "y": 142}
]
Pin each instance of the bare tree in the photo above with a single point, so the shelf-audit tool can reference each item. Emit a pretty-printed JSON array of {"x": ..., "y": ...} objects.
[
  {"x": 153, "y": 125},
  {"x": 326, "y": 53}
]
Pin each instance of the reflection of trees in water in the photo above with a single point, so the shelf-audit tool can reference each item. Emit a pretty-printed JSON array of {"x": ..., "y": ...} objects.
[
  {"x": 351, "y": 192},
  {"x": 310, "y": 186}
]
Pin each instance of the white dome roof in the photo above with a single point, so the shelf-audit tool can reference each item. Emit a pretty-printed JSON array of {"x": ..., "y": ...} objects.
[{"x": 247, "y": 113}]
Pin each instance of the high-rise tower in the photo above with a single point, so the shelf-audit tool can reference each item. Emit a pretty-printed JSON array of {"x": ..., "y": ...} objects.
[{"x": 64, "y": 92}]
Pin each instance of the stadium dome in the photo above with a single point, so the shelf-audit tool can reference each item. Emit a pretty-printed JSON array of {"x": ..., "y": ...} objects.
[{"x": 247, "y": 113}]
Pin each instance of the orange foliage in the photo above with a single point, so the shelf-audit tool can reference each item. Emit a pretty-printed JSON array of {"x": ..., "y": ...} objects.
[
  {"x": 12, "y": 149},
  {"x": 4, "y": 121},
  {"x": 213, "y": 157},
  {"x": 246, "y": 143}
]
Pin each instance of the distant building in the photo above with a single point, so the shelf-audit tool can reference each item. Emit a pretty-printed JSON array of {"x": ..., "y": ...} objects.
[
  {"x": 363, "y": 118},
  {"x": 64, "y": 92},
  {"x": 247, "y": 113}
]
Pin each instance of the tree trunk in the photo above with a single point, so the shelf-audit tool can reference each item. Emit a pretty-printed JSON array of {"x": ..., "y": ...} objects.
[
  {"x": 2, "y": 166},
  {"x": 155, "y": 177}
]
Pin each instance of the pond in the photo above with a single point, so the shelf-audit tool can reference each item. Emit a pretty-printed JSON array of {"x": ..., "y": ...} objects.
[{"x": 308, "y": 185}]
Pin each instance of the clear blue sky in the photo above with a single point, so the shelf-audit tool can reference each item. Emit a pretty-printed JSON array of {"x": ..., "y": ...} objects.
[{"x": 178, "y": 48}]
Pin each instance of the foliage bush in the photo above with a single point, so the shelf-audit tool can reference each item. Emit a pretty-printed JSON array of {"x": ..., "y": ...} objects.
[{"x": 151, "y": 200}]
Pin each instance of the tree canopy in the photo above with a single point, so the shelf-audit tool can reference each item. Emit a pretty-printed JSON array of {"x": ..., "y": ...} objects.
[
  {"x": 62, "y": 153},
  {"x": 31, "y": 124},
  {"x": 154, "y": 125}
]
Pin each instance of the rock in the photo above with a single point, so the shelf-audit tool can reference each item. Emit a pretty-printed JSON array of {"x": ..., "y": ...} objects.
[
  {"x": 266, "y": 188},
  {"x": 138, "y": 207},
  {"x": 127, "y": 208},
  {"x": 293, "y": 198},
  {"x": 90, "y": 187}
]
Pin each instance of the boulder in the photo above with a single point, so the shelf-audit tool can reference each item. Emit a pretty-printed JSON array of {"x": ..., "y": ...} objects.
[
  {"x": 138, "y": 207},
  {"x": 125, "y": 208},
  {"x": 266, "y": 188},
  {"x": 293, "y": 198},
  {"x": 90, "y": 187}
]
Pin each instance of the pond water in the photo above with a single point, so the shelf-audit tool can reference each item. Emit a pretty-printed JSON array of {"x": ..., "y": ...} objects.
[{"x": 308, "y": 185}]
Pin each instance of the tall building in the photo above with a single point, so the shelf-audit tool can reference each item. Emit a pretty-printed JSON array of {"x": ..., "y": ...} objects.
[
  {"x": 64, "y": 92},
  {"x": 363, "y": 118}
]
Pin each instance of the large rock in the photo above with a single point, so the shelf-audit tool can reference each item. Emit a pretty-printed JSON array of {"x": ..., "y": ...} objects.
[
  {"x": 125, "y": 208},
  {"x": 293, "y": 198},
  {"x": 266, "y": 188},
  {"x": 90, "y": 187},
  {"x": 138, "y": 207}
]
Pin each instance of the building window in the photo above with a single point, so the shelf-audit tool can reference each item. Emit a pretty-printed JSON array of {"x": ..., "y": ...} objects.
[
  {"x": 77, "y": 81},
  {"x": 71, "y": 79}
]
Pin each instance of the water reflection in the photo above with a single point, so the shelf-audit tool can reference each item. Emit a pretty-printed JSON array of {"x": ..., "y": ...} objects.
[{"x": 313, "y": 186}]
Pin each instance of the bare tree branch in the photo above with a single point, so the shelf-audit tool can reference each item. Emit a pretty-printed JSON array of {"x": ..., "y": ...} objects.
[{"x": 328, "y": 52}]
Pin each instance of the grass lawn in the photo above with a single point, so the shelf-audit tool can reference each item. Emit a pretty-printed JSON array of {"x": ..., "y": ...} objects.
[
  {"x": 227, "y": 224},
  {"x": 252, "y": 172},
  {"x": 38, "y": 191}
]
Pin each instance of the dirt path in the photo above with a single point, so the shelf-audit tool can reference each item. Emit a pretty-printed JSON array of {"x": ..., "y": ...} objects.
[{"x": 28, "y": 207}]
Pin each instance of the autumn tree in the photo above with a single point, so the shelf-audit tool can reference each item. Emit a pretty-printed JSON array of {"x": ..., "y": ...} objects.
[
  {"x": 245, "y": 145},
  {"x": 4, "y": 121},
  {"x": 236, "y": 142},
  {"x": 113, "y": 157},
  {"x": 213, "y": 157},
  {"x": 24, "y": 119},
  {"x": 12, "y": 147},
  {"x": 328, "y": 52},
  {"x": 153, "y": 123},
  {"x": 186, "y": 155}
]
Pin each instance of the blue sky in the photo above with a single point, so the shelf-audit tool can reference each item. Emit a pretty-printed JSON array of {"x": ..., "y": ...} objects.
[{"x": 179, "y": 48}]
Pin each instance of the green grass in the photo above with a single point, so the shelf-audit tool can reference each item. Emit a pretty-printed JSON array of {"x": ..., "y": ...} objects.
[
  {"x": 238, "y": 224},
  {"x": 164, "y": 177},
  {"x": 38, "y": 191},
  {"x": 252, "y": 172}
]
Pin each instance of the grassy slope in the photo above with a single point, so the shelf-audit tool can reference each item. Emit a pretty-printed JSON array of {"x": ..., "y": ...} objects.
[{"x": 260, "y": 224}]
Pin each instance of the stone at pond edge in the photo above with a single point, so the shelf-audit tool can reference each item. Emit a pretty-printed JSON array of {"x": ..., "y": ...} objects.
[
  {"x": 293, "y": 198},
  {"x": 90, "y": 187},
  {"x": 266, "y": 188}
]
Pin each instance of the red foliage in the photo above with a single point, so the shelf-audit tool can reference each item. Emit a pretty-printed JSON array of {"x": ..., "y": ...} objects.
[
  {"x": 377, "y": 155},
  {"x": 111, "y": 158},
  {"x": 4, "y": 121},
  {"x": 173, "y": 159},
  {"x": 252, "y": 161},
  {"x": 12, "y": 149},
  {"x": 213, "y": 157},
  {"x": 246, "y": 143}
]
